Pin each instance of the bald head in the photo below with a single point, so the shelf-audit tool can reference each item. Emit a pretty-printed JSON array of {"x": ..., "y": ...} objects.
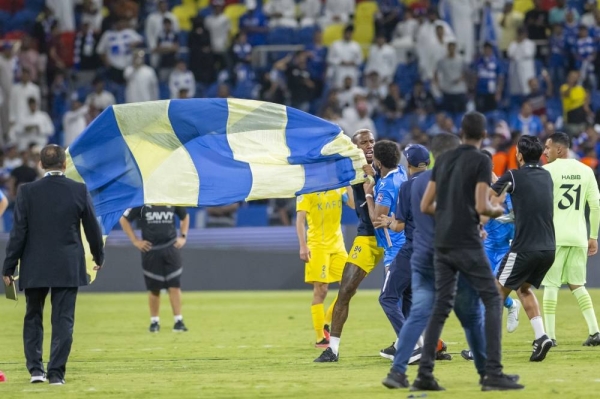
[{"x": 53, "y": 157}]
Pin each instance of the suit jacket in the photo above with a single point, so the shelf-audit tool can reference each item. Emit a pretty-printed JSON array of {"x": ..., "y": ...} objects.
[{"x": 46, "y": 235}]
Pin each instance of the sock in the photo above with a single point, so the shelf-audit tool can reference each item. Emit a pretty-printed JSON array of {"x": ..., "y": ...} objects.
[
  {"x": 397, "y": 343},
  {"x": 550, "y": 300},
  {"x": 334, "y": 344},
  {"x": 318, "y": 319},
  {"x": 538, "y": 327},
  {"x": 587, "y": 309},
  {"x": 329, "y": 314},
  {"x": 154, "y": 319},
  {"x": 419, "y": 342},
  {"x": 508, "y": 302},
  {"x": 178, "y": 318}
]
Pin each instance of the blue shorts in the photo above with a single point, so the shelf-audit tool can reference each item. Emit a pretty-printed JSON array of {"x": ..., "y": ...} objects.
[{"x": 495, "y": 257}]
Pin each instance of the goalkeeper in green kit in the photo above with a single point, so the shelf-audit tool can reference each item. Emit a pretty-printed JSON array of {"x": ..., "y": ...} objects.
[{"x": 574, "y": 186}]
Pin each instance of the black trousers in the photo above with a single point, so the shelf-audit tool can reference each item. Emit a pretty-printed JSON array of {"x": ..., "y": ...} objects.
[
  {"x": 63, "y": 319},
  {"x": 474, "y": 266}
]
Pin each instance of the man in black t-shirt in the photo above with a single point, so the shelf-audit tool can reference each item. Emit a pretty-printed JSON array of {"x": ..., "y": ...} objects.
[
  {"x": 457, "y": 194},
  {"x": 532, "y": 250},
  {"x": 161, "y": 259}
]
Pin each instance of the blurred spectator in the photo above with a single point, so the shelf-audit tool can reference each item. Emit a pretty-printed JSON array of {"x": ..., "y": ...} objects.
[
  {"x": 182, "y": 79},
  {"x": 299, "y": 83},
  {"x": 201, "y": 54},
  {"x": 430, "y": 47},
  {"x": 310, "y": 12},
  {"x": 42, "y": 27},
  {"x": 404, "y": 37},
  {"x": 6, "y": 83},
  {"x": 443, "y": 124},
  {"x": 382, "y": 59},
  {"x": 375, "y": 92},
  {"x": 576, "y": 104},
  {"x": 387, "y": 17},
  {"x": 29, "y": 58},
  {"x": 490, "y": 81},
  {"x": 331, "y": 104},
  {"x": 590, "y": 157},
  {"x": 34, "y": 126},
  {"x": 282, "y": 211},
  {"x": 557, "y": 13},
  {"x": 254, "y": 24},
  {"x": 65, "y": 13},
  {"x": 536, "y": 22},
  {"x": 344, "y": 58},
  {"x": 116, "y": 49},
  {"x": 522, "y": 64},
  {"x": 86, "y": 59},
  {"x": 393, "y": 104},
  {"x": 526, "y": 123},
  {"x": 317, "y": 61},
  {"x": 450, "y": 80},
  {"x": 281, "y": 13},
  {"x": 337, "y": 12},
  {"x": 155, "y": 25},
  {"x": 167, "y": 46},
  {"x": 537, "y": 97},
  {"x": 347, "y": 92},
  {"x": 21, "y": 174},
  {"x": 571, "y": 29},
  {"x": 20, "y": 94},
  {"x": 99, "y": 99},
  {"x": 57, "y": 54},
  {"x": 74, "y": 121},
  {"x": 357, "y": 117},
  {"x": 12, "y": 158},
  {"x": 241, "y": 51},
  {"x": 91, "y": 14},
  {"x": 585, "y": 53},
  {"x": 463, "y": 13},
  {"x": 122, "y": 9},
  {"x": 271, "y": 87},
  {"x": 219, "y": 26},
  {"x": 222, "y": 216},
  {"x": 558, "y": 57},
  {"x": 509, "y": 23},
  {"x": 142, "y": 83},
  {"x": 223, "y": 91},
  {"x": 416, "y": 136},
  {"x": 420, "y": 100},
  {"x": 591, "y": 19}
]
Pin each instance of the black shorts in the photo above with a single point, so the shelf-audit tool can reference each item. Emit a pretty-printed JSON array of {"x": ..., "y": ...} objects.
[
  {"x": 162, "y": 268},
  {"x": 524, "y": 267},
  {"x": 485, "y": 103}
]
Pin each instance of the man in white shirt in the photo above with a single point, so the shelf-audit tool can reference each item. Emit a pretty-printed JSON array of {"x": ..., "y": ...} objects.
[
  {"x": 338, "y": 12},
  {"x": 404, "y": 37},
  {"x": 281, "y": 13},
  {"x": 310, "y": 11},
  {"x": 142, "y": 82},
  {"x": 348, "y": 92},
  {"x": 65, "y": 13},
  {"x": 344, "y": 58},
  {"x": 427, "y": 38},
  {"x": 182, "y": 79},
  {"x": 116, "y": 48},
  {"x": 522, "y": 63},
  {"x": 154, "y": 25},
  {"x": 32, "y": 127},
  {"x": 382, "y": 59},
  {"x": 357, "y": 117},
  {"x": 219, "y": 26},
  {"x": 20, "y": 94},
  {"x": 74, "y": 121},
  {"x": 99, "y": 99}
]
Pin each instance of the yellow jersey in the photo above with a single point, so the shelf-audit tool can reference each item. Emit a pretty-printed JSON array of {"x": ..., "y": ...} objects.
[{"x": 324, "y": 219}]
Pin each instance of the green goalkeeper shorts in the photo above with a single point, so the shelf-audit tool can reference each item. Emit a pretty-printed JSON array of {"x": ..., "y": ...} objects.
[{"x": 569, "y": 267}]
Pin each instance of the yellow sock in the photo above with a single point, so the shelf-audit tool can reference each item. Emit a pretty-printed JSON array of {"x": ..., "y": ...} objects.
[
  {"x": 329, "y": 314},
  {"x": 318, "y": 318}
]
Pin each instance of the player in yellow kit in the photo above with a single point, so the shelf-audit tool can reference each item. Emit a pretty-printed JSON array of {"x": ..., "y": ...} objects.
[
  {"x": 322, "y": 248},
  {"x": 574, "y": 186}
]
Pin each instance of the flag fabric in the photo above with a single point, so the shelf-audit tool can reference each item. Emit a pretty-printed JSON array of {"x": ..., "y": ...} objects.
[
  {"x": 207, "y": 152},
  {"x": 487, "y": 31}
]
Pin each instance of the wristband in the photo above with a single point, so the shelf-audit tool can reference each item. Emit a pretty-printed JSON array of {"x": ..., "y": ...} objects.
[
  {"x": 368, "y": 196},
  {"x": 183, "y": 235}
]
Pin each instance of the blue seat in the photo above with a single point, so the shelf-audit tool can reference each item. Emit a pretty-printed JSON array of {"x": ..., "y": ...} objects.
[
  {"x": 306, "y": 35},
  {"x": 23, "y": 20},
  {"x": 34, "y": 5},
  {"x": 252, "y": 216},
  {"x": 183, "y": 38},
  {"x": 163, "y": 91},
  {"x": 281, "y": 36},
  {"x": 349, "y": 216},
  {"x": 405, "y": 77},
  {"x": 4, "y": 18}
]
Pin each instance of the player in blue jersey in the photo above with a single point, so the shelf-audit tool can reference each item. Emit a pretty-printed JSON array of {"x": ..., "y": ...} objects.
[{"x": 384, "y": 197}]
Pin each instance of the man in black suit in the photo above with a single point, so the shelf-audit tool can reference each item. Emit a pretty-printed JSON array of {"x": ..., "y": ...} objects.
[{"x": 46, "y": 240}]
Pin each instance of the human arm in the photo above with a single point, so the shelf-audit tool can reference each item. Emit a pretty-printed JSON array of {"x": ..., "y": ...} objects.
[
  {"x": 18, "y": 235},
  {"x": 428, "y": 204},
  {"x": 301, "y": 232},
  {"x": 92, "y": 231},
  {"x": 593, "y": 201},
  {"x": 184, "y": 227},
  {"x": 483, "y": 204},
  {"x": 3, "y": 204},
  {"x": 350, "y": 197},
  {"x": 142, "y": 245}
]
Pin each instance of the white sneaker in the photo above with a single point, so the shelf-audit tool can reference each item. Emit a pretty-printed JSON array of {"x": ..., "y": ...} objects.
[
  {"x": 512, "y": 321},
  {"x": 37, "y": 377}
]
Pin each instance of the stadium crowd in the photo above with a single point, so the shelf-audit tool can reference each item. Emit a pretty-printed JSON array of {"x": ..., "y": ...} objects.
[{"x": 405, "y": 69}]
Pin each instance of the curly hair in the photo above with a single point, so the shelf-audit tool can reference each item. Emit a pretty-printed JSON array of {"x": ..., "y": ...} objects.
[{"x": 387, "y": 152}]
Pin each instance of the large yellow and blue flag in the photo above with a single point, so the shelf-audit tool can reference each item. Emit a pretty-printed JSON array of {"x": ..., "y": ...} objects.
[{"x": 207, "y": 152}]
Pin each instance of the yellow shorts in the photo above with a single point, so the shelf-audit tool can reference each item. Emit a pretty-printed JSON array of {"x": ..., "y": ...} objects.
[
  {"x": 365, "y": 253},
  {"x": 325, "y": 267}
]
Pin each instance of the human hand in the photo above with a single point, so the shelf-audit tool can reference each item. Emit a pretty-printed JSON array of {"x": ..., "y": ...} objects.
[
  {"x": 368, "y": 169},
  {"x": 369, "y": 185},
  {"x": 180, "y": 242},
  {"x": 97, "y": 267},
  {"x": 7, "y": 280},
  {"x": 143, "y": 245},
  {"x": 383, "y": 221},
  {"x": 592, "y": 247},
  {"x": 304, "y": 253}
]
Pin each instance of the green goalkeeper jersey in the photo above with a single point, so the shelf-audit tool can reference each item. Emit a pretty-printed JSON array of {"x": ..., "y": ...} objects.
[{"x": 574, "y": 185}]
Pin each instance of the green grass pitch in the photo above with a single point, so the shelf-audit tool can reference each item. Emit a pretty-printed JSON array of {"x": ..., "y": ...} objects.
[{"x": 259, "y": 345}]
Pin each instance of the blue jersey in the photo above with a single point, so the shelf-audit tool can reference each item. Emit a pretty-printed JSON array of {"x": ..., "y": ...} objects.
[
  {"x": 488, "y": 72},
  {"x": 249, "y": 22},
  {"x": 386, "y": 194},
  {"x": 424, "y": 232},
  {"x": 499, "y": 235},
  {"x": 557, "y": 51},
  {"x": 584, "y": 51}
]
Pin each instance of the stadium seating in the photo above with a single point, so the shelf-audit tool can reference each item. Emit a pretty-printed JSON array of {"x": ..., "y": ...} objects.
[
  {"x": 306, "y": 34},
  {"x": 255, "y": 215},
  {"x": 184, "y": 15}
]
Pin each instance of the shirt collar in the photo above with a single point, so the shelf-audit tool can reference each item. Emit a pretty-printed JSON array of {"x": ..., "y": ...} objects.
[{"x": 54, "y": 173}]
